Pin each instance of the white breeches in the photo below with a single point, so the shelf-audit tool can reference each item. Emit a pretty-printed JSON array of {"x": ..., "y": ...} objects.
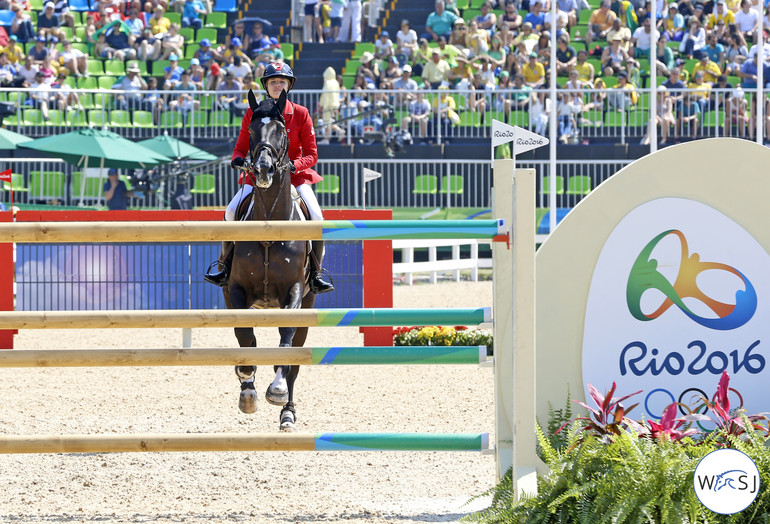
[{"x": 305, "y": 192}]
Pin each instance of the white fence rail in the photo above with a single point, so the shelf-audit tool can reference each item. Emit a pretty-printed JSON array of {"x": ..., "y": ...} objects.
[{"x": 433, "y": 267}]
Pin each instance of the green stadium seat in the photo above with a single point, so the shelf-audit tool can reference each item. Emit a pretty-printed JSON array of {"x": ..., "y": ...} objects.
[
  {"x": 579, "y": 185},
  {"x": 188, "y": 33},
  {"x": 120, "y": 118},
  {"x": 47, "y": 184},
  {"x": 545, "y": 188},
  {"x": 114, "y": 67},
  {"x": 452, "y": 184},
  {"x": 106, "y": 82},
  {"x": 330, "y": 184},
  {"x": 222, "y": 119},
  {"x": 16, "y": 183},
  {"x": 199, "y": 118},
  {"x": 56, "y": 117},
  {"x": 32, "y": 117},
  {"x": 89, "y": 188},
  {"x": 170, "y": 119},
  {"x": 143, "y": 119},
  {"x": 97, "y": 117},
  {"x": 77, "y": 118},
  {"x": 204, "y": 184},
  {"x": 425, "y": 185},
  {"x": 216, "y": 20},
  {"x": 206, "y": 32},
  {"x": 173, "y": 17},
  {"x": 95, "y": 67}
]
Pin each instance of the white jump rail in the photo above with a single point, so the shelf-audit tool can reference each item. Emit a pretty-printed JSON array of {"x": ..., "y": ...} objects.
[{"x": 433, "y": 266}]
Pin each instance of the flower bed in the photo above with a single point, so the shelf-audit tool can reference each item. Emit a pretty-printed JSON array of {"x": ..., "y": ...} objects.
[{"x": 442, "y": 336}]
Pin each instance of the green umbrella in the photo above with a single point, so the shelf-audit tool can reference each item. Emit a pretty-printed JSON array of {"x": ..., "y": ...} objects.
[
  {"x": 97, "y": 148},
  {"x": 176, "y": 149},
  {"x": 9, "y": 139}
]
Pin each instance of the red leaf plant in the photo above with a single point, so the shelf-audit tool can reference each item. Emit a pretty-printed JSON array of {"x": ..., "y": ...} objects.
[{"x": 668, "y": 427}]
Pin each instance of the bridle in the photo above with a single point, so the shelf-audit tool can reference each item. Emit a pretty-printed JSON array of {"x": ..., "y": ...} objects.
[{"x": 281, "y": 164}]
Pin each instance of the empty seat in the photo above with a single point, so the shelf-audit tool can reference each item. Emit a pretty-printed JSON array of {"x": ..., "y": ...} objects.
[
  {"x": 204, "y": 184},
  {"x": 330, "y": 184},
  {"x": 425, "y": 185}
]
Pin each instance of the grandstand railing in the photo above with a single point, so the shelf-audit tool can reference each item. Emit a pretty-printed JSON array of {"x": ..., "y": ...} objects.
[{"x": 207, "y": 115}]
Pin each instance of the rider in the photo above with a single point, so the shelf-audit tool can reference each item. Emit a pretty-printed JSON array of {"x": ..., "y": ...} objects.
[{"x": 303, "y": 154}]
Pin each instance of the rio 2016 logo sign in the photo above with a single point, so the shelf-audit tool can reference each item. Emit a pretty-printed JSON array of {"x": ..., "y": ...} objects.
[
  {"x": 645, "y": 275},
  {"x": 676, "y": 298}
]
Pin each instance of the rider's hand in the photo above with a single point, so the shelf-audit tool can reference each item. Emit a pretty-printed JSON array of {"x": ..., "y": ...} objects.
[
  {"x": 292, "y": 167},
  {"x": 237, "y": 162}
]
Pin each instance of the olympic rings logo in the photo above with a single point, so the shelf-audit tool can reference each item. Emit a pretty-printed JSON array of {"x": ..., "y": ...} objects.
[
  {"x": 644, "y": 276},
  {"x": 689, "y": 401}
]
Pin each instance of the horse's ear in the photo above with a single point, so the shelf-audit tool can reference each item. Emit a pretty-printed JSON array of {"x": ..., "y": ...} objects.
[
  {"x": 282, "y": 100},
  {"x": 252, "y": 101}
]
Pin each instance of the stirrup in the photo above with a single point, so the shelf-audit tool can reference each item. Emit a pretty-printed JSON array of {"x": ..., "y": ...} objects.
[
  {"x": 217, "y": 277},
  {"x": 318, "y": 284}
]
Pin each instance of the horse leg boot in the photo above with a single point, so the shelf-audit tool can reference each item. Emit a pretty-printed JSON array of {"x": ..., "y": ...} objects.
[
  {"x": 288, "y": 419},
  {"x": 219, "y": 270},
  {"x": 277, "y": 392},
  {"x": 320, "y": 279}
]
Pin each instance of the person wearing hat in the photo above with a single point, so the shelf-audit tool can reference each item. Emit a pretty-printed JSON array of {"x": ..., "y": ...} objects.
[
  {"x": 673, "y": 23},
  {"x": 206, "y": 55},
  {"x": 383, "y": 46},
  {"x": 278, "y": 81},
  {"x": 115, "y": 191},
  {"x": 48, "y": 22},
  {"x": 720, "y": 12},
  {"x": 694, "y": 39},
  {"x": 406, "y": 83},
  {"x": 436, "y": 70},
  {"x": 533, "y": 72},
  {"x": 39, "y": 51},
  {"x": 40, "y": 93},
  {"x": 13, "y": 50},
  {"x": 172, "y": 73},
  {"x": 369, "y": 69},
  {"x": 236, "y": 49},
  {"x": 130, "y": 86},
  {"x": 459, "y": 32}
]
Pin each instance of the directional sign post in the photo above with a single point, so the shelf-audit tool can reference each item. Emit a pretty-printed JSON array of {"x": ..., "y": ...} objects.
[
  {"x": 369, "y": 175},
  {"x": 523, "y": 140}
]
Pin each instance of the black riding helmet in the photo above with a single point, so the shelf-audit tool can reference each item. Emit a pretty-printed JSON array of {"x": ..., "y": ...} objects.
[{"x": 278, "y": 69}]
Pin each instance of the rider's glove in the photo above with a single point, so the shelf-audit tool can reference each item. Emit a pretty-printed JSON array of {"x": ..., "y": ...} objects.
[{"x": 237, "y": 162}]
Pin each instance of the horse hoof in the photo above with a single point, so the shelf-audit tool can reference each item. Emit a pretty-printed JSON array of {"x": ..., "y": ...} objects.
[
  {"x": 288, "y": 427},
  {"x": 247, "y": 402},
  {"x": 276, "y": 397},
  {"x": 288, "y": 420}
]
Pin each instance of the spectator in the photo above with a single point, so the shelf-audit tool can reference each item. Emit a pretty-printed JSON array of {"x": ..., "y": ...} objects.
[
  {"x": 39, "y": 95},
  {"x": 527, "y": 37},
  {"x": 461, "y": 75},
  {"x": 172, "y": 73},
  {"x": 350, "y": 31},
  {"x": 329, "y": 104},
  {"x": 623, "y": 32},
  {"x": 642, "y": 39},
  {"x": 239, "y": 31},
  {"x": 450, "y": 52},
  {"x": 487, "y": 20},
  {"x": 721, "y": 12},
  {"x": 599, "y": 24},
  {"x": 172, "y": 43},
  {"x": 689, "y": 114},
  {"x": 65, "y": 98},
  {"x": 477, "y": 40},
  {"x": 229, "y": 91},
  {"x": 238, "y": 68},
  {"x": 369, "y": 69},
  {"x": 700, "y": 90},
  {"x": 566, "y": 56},
  {"x": 535, "y": 17},
  {"x": 134, "y": 23},
  {"x": 102, "y": 49},
  {"x": 406, "y": 82},
  {"x": 445, "y": 109},
  {"x": 714, "y": 50},
  {"x": 614, "y": 57},
  {"x": 664, "y": 57},
  {"x": 235, "y": 49},
  {"x": 152, "y": 101},
  {"x": 418, "y": 115},
  {"x": 75, "y": 60},
  {"x": 9, "y": 74},
  {"x": 520, "y": 96},
  {"x": 570, "y": 7},
  {"x": 48, "y": 22},
  {"x": 436, "y": 70},
  {"x": 115, "y": 191},
  {"x": 736, "y": 54},
  {"x": 335, "y": 19},
  {"x": 391, "y": 72},
  {"x": 664, "y": 117},
  {"x": 39, "y": 51},
  {"x": 496, "y": 53},
  {"x": 148, "y": 47},
  {"x": 420, "y": 57},
  {"x": 159, "y": 22},
  {"x": 121, "y": 40},
  {"x": 205, "y": 54},
  {"x": 566, "y": 109},
  {"x": 50, "y": 70},
  {"x": 458, "y": 34},
  {"x": 14, "y": 52},
  {"x": 539, "y": 109},
  {"x": 28, "y": 72},
  {"x": 510, "y": 20},
  {"x": 710, "y": 69},
  {"x": 406, "y": 42},
  {"x": 258, "y": 40},
  {"x": 673, "y": 24},
  {"x": 585, "y": 69},
  {"x": 197, "y": 74},
  {"x": 383, "y": 46},
  {"x": 312, "y": 22},
  {"x": 439, "y": 22},
  {"x": 131, "y": 86},
  {"x": 561, "y": 25},
  {"x": 185, "y": 102},
  {"x": 21, "y": 25},
  {"x": 748, "y": 20},
  {"x": 694, "y": 39},
  {"x": 191, "y": 15},
  {"x": 534, "y": 72},
  {"x": 623, "y": 95}
]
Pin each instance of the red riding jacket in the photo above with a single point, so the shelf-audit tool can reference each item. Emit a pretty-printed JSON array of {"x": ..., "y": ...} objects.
[{"x": 302, "y": 147}]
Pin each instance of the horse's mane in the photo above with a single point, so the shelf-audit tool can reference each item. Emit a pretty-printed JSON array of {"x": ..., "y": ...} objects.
[{"x": 268, "y": 108}]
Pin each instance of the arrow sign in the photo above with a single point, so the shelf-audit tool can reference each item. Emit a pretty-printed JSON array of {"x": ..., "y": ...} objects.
[
  {"x": 523, "y": 140},
  {"x": 370, "y": 174},
  {"x": 5, "y": 176}
]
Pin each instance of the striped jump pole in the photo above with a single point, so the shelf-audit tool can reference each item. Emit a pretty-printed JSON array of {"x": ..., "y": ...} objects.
[
  {"x": 57, "y": 232},
  {"x": 244, "y": 442},
  {"x": 196, "y": 318},
  {"x": 370, "y": 355}
]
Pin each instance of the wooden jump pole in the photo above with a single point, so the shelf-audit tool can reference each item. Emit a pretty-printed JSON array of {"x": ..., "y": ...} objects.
[
  {"x": 370, "y": 355},
  {"x": 244, "y": 442},
  {"x": 79, "y": 232},
  {"x": 189, "y": 318}
]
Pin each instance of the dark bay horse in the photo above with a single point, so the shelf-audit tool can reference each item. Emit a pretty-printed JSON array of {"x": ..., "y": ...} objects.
[{"x": 270, "y": 274}]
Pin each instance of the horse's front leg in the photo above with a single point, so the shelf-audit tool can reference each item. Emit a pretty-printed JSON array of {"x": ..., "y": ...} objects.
[
  {"x": 235, "y": 298},
  {"x": 278, "y": 393}
]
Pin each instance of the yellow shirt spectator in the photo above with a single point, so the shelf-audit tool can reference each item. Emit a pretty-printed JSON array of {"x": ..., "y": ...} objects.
[
  {"x": 533, "y": 71},
  {"x": 711, "y": 70},
  {"x": 14, "y": 51},
  {"x": 725, "y": 14},
  {"x": 159, "y": 23}
]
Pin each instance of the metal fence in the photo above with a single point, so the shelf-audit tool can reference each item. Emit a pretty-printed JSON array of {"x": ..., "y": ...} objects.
[{"x": 606, "y": 115}]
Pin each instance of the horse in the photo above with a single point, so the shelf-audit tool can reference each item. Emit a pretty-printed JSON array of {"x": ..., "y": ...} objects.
[{"x": 270, "y": 274}]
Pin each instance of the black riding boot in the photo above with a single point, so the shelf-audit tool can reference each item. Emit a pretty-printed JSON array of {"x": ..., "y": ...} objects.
[
  {"x": 320, "y": 280},
  {"x": 219, "y": 270}
]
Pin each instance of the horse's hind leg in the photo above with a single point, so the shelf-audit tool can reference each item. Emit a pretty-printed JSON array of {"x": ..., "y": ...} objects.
[{"x": 247, "y": 401}]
